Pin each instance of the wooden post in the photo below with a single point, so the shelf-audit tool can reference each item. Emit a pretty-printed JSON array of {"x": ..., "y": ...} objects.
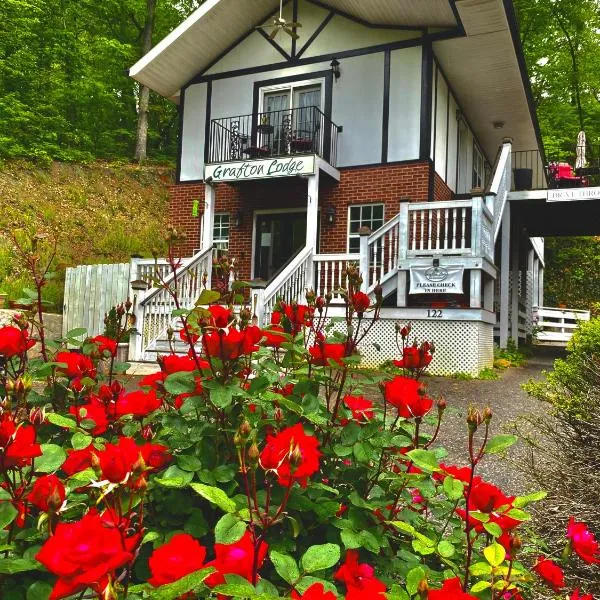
[
  {"x": 312, "y": 211},
  {"x": 209, "y": 216},
  {"x": 475, "y": 291},
  {"x": 504, "y": 277},
  {"x": 514, "y": 292},
  {"x": 488, "y": 292},
  {"x": 365, "y": 267}
]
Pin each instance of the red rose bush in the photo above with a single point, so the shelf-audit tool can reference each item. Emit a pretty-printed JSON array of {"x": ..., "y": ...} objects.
[{"x": 256, "y": 464}]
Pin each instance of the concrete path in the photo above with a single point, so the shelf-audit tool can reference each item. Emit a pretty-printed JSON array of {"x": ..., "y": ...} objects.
[{"x": 509, "y": 404}]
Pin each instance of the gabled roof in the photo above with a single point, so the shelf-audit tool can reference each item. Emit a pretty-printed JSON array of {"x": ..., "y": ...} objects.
[{"x": 218, "y": 24}]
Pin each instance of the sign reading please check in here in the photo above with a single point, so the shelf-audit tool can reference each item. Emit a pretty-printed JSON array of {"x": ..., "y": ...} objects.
[
  {"x": 289, "y": 166},
  {"x": 436, "y": 280}
]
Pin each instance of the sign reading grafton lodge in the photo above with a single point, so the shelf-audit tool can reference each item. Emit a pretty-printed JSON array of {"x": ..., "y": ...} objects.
[{"x": 288, "y": 166}]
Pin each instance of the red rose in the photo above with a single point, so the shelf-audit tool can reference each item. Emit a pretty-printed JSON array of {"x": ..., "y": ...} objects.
[
  {"x": 95, "y": 411},
  {"x": 362, "y": 409},
  {"x": 154, "y": 381},
  {"x": 78, "y": 460},
  {"x": 407, "y": 395},
  {"x": 360, "y": 302},
  {"x": 298, "y": 316},
  {"x": 76, "y": 365},
  {"x": 172, "y": 363},
  {"x": 231, "y": 344},
  {"x": 486, "y": 497},
  {"x": 414, "y": 358},
  {"x": 156, "y": 456},
  {"x": 551, "y": 573},
  {"x": 291, "y": 454},
  {"x": 321, "y": 353},
  {"x": 188, "y": 335},
  {"x": 237, "y": 558},
  {"x": 104, "y": 345},
  {"x": 451, "y": 590},
  {"x": 117, "y": 461},
  {"x": 221, "y": 315},
  {"x": 274, "y": 336},
  {"x": 575, "y": 596},
  {"x": 583, "y": 541},
  {"x": 138, "y": 403},
  {"x": 315, "y": 592},
  {"x": 359, "y": 579},
  {"x": 17, "y": 444},
  {"x": 83, "y": 555},
  {"x": 461, "y": 473},
  {"x": 14, "y": 341},
  {"x": 47, "y": 493},
  {"x": 181, "y": 556}
]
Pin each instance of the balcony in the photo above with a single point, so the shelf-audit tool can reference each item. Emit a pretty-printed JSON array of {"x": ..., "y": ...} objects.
[{"x": 270, "y": 144}]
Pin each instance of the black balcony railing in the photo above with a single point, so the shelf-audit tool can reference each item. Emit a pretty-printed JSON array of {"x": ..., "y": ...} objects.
[
  {"x": 561, "y": 169},
  {"x": 274, "y": 134}
]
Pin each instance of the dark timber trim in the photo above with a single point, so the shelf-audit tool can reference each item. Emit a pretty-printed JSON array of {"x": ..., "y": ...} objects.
[
  {"x": 385, "y": 133},
  {"x": 431, "y": 187},
  {"x": 208, "y": 118},
  {"x": 426, "y": 101},
  {"x": 180, "y": 141},
  {"x": 315, "y": 34},
  {"x": 294, "y": 18},
  {"x": 274, "y": 44}
]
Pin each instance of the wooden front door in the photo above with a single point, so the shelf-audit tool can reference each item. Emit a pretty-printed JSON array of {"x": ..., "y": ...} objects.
[{"x": 279, "y": 236}]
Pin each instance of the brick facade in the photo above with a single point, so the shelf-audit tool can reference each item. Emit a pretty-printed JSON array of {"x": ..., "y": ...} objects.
[
  {"x": 387, "y": 184},
  {"x": 440, "y": 190}
]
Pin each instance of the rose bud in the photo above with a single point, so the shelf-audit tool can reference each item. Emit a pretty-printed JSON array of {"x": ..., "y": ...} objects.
[
  {"x": 147, "y": 432},
  {"x": 253, "y": 454},
  {"x": 245, "y": 429},
  {"x": 37, "y": 416},
  {"x": 441, "y": 405},
  {"x": 320, "y": 303},
  {"x": 487, "y": 414},
  {"x": 47, "y": 494}
]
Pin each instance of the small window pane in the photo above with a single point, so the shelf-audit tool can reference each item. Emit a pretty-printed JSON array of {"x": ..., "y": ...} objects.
[
  {"x": 354, "y": 246},
  {"x": 367, "y": 212},
  {"x": 354, "y": 226},
  {"x": 378, "y": 212},
  {"x": 355, "y": 213}
]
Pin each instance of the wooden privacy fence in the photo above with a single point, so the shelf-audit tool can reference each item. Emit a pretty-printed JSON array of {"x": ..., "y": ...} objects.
[
  {"x": 90, "y": 292},
  {"x": 557, "y": 324}
]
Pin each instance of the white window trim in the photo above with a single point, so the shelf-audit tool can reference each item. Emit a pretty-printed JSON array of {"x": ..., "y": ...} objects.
[
  {"x": 291, "y": 86},
  {"x": 350, "y": 206},
  {"x": 222, "y": 214}
]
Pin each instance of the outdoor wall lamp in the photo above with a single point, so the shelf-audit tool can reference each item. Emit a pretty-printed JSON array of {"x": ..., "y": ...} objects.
[
  {"x": 239, "y": 218},
  {"x": 140, "y": 285},
  {"x": 330, "y": 213},
  {"x": 335, "y": 68}
]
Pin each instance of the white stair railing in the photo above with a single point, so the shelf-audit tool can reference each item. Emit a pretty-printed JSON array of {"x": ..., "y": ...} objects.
[
  {"x": 501, "y": 184},
  {"x": 154, "y": 310},
  {"x": 383, "y": 253},
  {"x": 329, "y": 272},
  {"x": 290, "y": 285}
]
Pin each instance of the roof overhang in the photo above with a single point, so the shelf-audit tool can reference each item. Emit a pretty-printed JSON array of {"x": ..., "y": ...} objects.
[{"x": 218, "y": 24}]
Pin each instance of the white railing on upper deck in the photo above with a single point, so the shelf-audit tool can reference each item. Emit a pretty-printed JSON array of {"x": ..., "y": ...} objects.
[
  {"x": 558, "y": 324},
  {"x": 329, "y": 272},
  {"x": 290, "y": 285},
  {"x": 501, "y": 184},
  {"x": 154, "y": 312}
]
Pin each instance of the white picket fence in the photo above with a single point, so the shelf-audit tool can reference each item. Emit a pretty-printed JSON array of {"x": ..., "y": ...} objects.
[
  {"x": 556, "y": 325},
  {"x": 90, "y": 292}
]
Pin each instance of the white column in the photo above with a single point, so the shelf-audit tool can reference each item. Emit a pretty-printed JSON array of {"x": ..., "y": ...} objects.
[
  {"x": 541, "y": 287},
  {"x": 536, "y": 282},
  {"x": 488, "y": 292},
  {"x": 529, "y": 289},
  {"x": 514, "y": 292},
  {"x": 365, "y": 271},
  {"x": 208, "y": 217},
  {"x": 504, "y": 276},
  {"x": 312, "y": 211},
  {"x": 402, "y": 254},
  {"x": 475, "y": 301}
]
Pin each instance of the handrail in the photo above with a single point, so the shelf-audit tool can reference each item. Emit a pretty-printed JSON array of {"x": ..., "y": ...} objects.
[
  {"x": 501, "y": 184},
  {"x": 341, "y": 256},
  {"x": 503, "y": 159},
  {"x": 393, "y": 222},
  {"x": 278, "y": 282},
  {"x": 187, "y": 266}
]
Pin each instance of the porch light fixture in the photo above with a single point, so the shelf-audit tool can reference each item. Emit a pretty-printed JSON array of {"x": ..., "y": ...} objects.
[
  {"x": 335, "y": 68},
  {"x": 330, "y": 213},
  {"x": 436, "y": 262},
  {"x": 140, "y": 285},
  {"x": 498, "y": 124},
  {"x": 239, "y": 218}
]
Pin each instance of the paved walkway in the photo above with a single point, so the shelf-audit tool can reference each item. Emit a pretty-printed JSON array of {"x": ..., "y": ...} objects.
[{"x": 509, "y": 404}]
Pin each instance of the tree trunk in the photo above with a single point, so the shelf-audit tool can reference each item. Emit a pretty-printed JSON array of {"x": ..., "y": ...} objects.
[{"x": 144, "y": 98}]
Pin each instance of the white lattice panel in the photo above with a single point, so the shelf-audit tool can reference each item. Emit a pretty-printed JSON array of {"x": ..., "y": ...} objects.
[{"x": 460, "y": 346}]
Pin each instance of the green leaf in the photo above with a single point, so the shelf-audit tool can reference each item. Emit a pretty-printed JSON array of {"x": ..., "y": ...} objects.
[
  {"x": 500, "y": 443},
  {"x": 221, "y": 396},
  {"x": 39, "y": 590},
  {"x": 422, "y": 548},
  {"x": 215, "y": 495},
  {"x": 493, "y": 529},
  {"x": 285, "y": 566},
  {"x": 229, "y": 529},
  {"x": 523, "y": 501},
  {"x": 235, "y": 586},
  {"x": 207, "y": 297},
  {"x": 79, "y": 441},
  {"x": 446, "y": 549},
  {"x": 174, "y": 477},
  {"x": 480, "y": 569},
  {"x": 189, "y": 583},
  {"x": 425, "y": 459},
  {"x": 413, "y": 578},
  {"x": 8, "y": 513},
  {"x": 363, "y": 451},
  {"x": 495, "y": 554},
  {"x": 182, "y": 382},
  {"x": 61, "y": 421},
  {"x": 480, "y": 586},
  {"x": 320, "y": 557},
  {"x": 10, "y": 566},
  {"x": 453, "y": 488},
  {"x": 77, "y": 332},
  {"x": 189, "y": 463},
  {"x": 518, "y": 514},
  {"x": 307, "y": 581},
  {"x": 52, "y": 458}
]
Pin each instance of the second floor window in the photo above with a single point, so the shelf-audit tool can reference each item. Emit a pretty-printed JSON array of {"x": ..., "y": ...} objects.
[
  {"x": 362, "y": 215},
  {"x": 478, "y": 168}
]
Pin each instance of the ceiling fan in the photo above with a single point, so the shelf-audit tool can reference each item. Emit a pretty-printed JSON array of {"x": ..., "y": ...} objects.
[{"x": 280, "y": 24}]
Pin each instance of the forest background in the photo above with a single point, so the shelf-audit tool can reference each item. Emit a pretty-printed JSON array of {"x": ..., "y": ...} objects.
[{"x": 87, "y": 153}]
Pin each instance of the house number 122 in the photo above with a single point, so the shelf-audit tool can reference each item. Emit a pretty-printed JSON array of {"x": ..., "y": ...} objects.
[{"x": 434, "y": 313}]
